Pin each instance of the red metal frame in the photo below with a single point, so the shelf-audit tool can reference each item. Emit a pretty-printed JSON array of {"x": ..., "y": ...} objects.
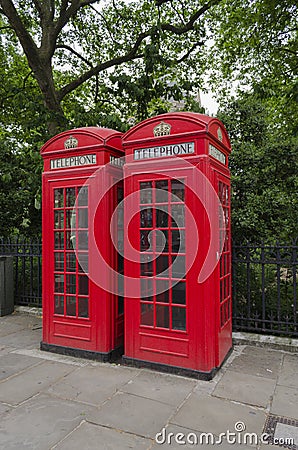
[
  {"x": 206, "y": 339},
  {"x": 77, "y": 312}
]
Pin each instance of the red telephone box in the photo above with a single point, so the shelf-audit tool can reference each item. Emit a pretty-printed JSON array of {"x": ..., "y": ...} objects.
[
  {"x": 80, "y": 316},
  {"x": 178, "y": 250}
]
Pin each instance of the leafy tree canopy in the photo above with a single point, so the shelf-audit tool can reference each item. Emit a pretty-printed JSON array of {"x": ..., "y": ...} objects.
[
  {"x": 264, "y": 170},
  {"x": 135, "y": 49}
]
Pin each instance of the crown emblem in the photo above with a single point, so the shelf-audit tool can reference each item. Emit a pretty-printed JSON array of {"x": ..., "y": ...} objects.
[
  {"x": 162, "y": 129},
  {"x": 219, "y": 134},
  {"x": 71, "y": 142}
]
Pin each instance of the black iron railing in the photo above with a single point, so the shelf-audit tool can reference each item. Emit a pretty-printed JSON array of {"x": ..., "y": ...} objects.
[
  {"x": 265, "y": 282},
  {"x": 27, "y": 268},
  {"x": 265, "y": 288}
]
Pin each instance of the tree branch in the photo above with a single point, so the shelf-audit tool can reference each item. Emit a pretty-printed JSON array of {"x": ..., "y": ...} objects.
[
  {"x": 189, "y": 25},
  {"x": 186, "y": 55},
  {"x": 132, "y": 53},
  {"x": 38, "y": 7},
  {"x": 70, "y": 49},
  {"x": 106, "y": 23},
  {"x": 26, "y": 40},
  {"x": 87, "y": 2},
  {"x": 94, "y": 71}
]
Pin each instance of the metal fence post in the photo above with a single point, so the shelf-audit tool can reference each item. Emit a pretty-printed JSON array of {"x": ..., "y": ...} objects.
[{"x": 6, "y": 285}]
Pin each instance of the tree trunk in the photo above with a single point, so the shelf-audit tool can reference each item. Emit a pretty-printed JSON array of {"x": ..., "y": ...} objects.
[{"x": 44, "y": 76}]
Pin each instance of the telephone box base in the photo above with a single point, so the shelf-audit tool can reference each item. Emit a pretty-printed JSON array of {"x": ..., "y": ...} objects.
[
  {"x": 86, "y": 354},
  {"x": 191, "y": 373}
]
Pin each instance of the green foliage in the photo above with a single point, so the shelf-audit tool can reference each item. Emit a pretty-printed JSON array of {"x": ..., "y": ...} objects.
[
  {"x": 19, "y": 188},
  {"x": 253, "y": 40},
  {"x": 264, "y": 170}
]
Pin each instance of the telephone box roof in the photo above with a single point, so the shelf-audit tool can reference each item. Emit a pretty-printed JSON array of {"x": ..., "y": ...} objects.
[
  {"x": 179, "y": 123},
  {"x": 83, "y": 137}
]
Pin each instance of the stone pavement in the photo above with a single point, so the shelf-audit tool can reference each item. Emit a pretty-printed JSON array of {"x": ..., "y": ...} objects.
[{"x": 49, "y": 401}]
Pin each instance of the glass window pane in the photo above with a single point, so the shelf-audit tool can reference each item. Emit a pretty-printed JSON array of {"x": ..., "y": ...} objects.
[
  {"x": 83, "y": 262},
  {"x": 120, "y": 193},
  {"x": 162, "y": 243},
  {"x": 162, "y": 316},
  {"x": 120, "y": 305},
  {"x": 178, "y": 318},
  {"x": 146, "y": 266},
  {"x": 162, "y": 265},
  {"x": 146, "y": 289},
  {"x": 59, "y": 283},
  {"x": 178, "y": 216},
  {"x": 161, "y": 191},
  {"x": 59, "y": 240},
  {"x": 147, "y": 314},
  {"x": 83, "y": 240},
  {"x": 83, "y": 218},
  {"x": 70, "y": 305},
  {"x": 59, "y": 262},
  {"x": 179, "y": 293},
  {"x": 162, "y": 216},
  {"x": 83, "y": 196},
  {"x": 83, "y": 285},
  {"x": 71, "y": 218},
  {"x": 178, "y": 190},
  {"x": 59, "y": 198},
  {"x": 178, "y": 266},
  {"x": 146, "y": 218},
  {"x": 146, "y": 192},
  {"x": 71, "y": 287},
  {"x": 178, "y": 241},
  {"x": 145, "y": 240},
  {"x": 71, "y": 262},
  {"x": 83, "y": 307},
  {"x": 59, "y": 304},
  {"x": 70, "y": 196},
  {"x": 162, "y": 291},
  {"x": 221, "y": 265},
  {"x": 70, "y": 240},
  {"x": 59, "y": 219}
]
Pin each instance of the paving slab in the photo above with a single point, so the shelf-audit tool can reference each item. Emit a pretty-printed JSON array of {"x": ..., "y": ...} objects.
[
  {"x": 25, "y": 320},
  {"x": 40, "y": 423},
  {"x": 48, "y": 356},
  {"x": 245, "y": 388},
  {"x": 207, "y": 387},
  {"x": 175, "y": 437},
  {"x": 4, "y": 409},
  {"x": 168, "y": 389},
  {"x": 133, "y": 414},
  {"x": 260, "y": 351},
  {"x": 11, "y": 364},
  {"x": 289, "y": 371},
  {"x": 215, "y": 415},
  {"x": 9, "y": 327},
  {"x": 23, "y": 338},
  {"x": 93, "y": 385},
  {"x": 4, "y": 349},
  {"x": 285, "y": 402},
  {"x": 90, "y": 437},
  {"x": 266, "y": 364},
  {"x": 31, "y": 381}
]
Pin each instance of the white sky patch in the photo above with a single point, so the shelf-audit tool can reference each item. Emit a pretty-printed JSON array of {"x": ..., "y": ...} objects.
[{"x": 209, "y": 102}]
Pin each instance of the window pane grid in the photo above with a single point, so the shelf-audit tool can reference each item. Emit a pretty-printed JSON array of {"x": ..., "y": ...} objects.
[
  {"x": 163, "y": 305},
  {"x": 71, "y": 284},
  {"x": 225, "y": 259}
]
